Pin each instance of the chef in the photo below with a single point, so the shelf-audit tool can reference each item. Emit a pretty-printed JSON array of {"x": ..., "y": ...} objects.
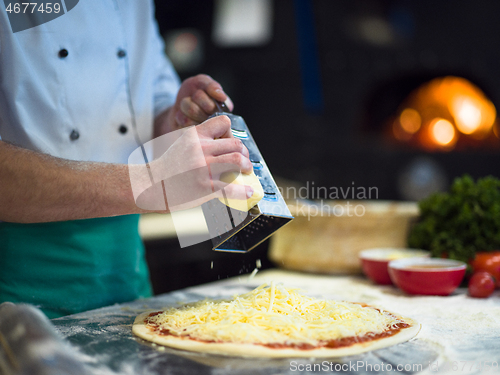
[{"x": 77, "y": 95}]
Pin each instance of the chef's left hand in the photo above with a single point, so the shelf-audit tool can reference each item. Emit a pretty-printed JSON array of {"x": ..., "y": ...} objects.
[{"x": 194, "y": 103}]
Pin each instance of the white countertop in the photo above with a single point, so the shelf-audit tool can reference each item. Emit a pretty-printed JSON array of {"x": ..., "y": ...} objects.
[
  {"x": 459, "y": 334},
  {"x": 164, "y": 226}
]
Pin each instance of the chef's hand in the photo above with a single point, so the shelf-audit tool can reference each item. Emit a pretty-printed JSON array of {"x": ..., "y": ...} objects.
[
  {"x": 190, "y": 169},
  {"x": 194, "y": 103}
]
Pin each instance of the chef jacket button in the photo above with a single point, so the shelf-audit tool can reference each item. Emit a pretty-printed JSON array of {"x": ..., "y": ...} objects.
[
  {"x": 74, "y": 135},
  {"x": 122, "y": 129},
  {"x": 121, "y": 54},
  {"x": 63, "y": 53}
]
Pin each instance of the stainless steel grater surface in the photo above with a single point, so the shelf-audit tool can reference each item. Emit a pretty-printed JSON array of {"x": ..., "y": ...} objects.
[{"x": 236, "y": 231}]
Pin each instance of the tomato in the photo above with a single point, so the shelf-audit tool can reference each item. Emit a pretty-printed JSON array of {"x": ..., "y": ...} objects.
[
  {"x": 481, "y": 285},
  {"x": 488, "y": 261}
]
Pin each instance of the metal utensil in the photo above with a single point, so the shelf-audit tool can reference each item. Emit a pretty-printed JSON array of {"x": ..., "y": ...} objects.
[{"x": 238, "y": 231}]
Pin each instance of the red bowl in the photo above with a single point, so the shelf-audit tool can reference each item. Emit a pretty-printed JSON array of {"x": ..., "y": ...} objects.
[
  {"x": 374, "y": 262},
  {"x": 433, "y": 276}
]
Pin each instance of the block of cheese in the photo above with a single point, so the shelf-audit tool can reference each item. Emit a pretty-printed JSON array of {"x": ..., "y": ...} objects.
[{"x": 243, "y": 179}]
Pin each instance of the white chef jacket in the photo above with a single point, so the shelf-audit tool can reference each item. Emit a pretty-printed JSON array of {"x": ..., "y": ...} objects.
[{"x": 86, "y": 85}]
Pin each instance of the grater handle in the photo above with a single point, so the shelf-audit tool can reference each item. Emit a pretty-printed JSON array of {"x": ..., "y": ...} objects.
[{"x": 221, "y": 106}]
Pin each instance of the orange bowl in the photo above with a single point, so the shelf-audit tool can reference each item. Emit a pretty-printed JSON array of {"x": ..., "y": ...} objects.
[
  {"x": 374, "y": 262},
  {"x": 433, "y": 276}
]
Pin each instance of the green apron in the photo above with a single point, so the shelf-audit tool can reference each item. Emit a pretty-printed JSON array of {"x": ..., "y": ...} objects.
[{"x": 73, "y": 266}]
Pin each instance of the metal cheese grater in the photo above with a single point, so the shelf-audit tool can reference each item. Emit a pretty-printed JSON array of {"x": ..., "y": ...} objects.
[{"x": 237, "y": 231}]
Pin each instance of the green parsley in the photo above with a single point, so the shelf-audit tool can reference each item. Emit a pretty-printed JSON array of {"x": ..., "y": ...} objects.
[{"x": 461, "y": 222}]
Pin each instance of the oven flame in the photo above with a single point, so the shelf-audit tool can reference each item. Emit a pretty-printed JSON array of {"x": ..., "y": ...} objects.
[
  {"x": 410, "y": 120},
  {"x": 467, "y": 114},
  {"x": 442, "y": 132},
  {"x": 444, "y": 114}
]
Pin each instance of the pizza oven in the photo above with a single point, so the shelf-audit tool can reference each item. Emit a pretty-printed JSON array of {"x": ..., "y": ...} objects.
[
  {"x": 439, "y": 126},
  {"x": 410, "y": 97}
]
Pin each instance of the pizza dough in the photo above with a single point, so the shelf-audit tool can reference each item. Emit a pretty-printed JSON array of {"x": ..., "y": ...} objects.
[
  {"x": 275, "y": 322},
  {"x": 243, "y": 179}
]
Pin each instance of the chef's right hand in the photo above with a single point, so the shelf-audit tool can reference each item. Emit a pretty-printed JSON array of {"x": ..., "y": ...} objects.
[{"x": 191, "y": 167}]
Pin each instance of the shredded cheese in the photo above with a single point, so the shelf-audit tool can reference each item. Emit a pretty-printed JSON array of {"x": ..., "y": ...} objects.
[
  {"x": 273, "y": 314},
  {"x": 252, "y": 275},
  {"x": 273, "y": 294}
]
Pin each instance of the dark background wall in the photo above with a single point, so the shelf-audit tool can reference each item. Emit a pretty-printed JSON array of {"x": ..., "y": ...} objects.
[
  {"x": 329, "y": 131},
  {"x": 362, "y": 83}
]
